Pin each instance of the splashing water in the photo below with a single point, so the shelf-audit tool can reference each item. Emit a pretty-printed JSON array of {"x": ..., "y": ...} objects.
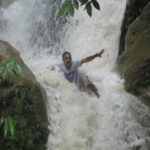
[{"x": 78, "y": 121}]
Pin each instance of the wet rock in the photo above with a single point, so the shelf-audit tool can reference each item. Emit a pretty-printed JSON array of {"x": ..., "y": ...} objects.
[
  {"x": 133, "y": 10},
  {"x": 134, "y": 63}
]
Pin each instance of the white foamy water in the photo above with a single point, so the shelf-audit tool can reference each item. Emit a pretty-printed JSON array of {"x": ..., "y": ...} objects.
[{"x": 79, "y": 121}]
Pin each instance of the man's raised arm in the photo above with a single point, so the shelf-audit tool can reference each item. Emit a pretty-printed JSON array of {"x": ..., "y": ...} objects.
[{"x": 89, "y": 58}]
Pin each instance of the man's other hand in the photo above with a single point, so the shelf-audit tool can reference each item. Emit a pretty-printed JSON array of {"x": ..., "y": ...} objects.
[
  {"x": 52, "y": 68},
  {"x": 100, "y": 53}
]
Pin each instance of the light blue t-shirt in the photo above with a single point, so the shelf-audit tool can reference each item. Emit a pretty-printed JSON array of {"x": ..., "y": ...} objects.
[{"x": 72, "y": 74}]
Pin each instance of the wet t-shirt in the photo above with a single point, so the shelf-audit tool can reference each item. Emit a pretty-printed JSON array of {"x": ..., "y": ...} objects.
[{"x": 72, "y": 74}]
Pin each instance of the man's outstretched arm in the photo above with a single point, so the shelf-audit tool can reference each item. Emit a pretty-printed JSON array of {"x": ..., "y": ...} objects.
[{"x": 89, "y": 58}]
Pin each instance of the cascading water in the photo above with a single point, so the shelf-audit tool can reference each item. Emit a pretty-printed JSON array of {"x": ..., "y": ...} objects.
[{"x": 78, "y": 121}]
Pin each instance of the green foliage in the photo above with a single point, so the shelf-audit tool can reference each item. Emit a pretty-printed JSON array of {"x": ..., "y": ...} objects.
[
  {"x": 88, "y": 8},
  {"x": 8, "y": 125},
  {"x": 11, "y": 67},
  {"x": 70, "y": 5},
  {"x": 63, "y": 10},
  {"x": 17, "y": 132}
]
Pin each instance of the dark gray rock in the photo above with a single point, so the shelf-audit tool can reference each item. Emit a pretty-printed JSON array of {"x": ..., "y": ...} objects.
[{"x": 134, "y": 63}]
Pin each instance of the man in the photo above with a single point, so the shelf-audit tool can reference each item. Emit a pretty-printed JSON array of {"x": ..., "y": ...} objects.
[{"x": 69, "y": 67}]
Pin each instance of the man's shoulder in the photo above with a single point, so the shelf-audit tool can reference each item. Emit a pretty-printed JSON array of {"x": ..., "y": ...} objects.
[
  {"x": 76, "y": 61},
  {"x": 59, "y": 63},
  {"x": 59, "y": 66}
]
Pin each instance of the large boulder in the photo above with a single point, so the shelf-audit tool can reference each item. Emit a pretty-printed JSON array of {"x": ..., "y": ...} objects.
[
  {"x": 134, "y": 63},
  {"x": 37, "y": 115}
]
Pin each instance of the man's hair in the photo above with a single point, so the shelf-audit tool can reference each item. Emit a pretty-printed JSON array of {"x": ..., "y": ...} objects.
[{"x": 66, "y": 52}]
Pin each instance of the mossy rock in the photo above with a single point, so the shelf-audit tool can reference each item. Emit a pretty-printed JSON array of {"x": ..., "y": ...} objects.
[
  {"x": 134, "y": 63},
  {"x": 34, "y": 97}
]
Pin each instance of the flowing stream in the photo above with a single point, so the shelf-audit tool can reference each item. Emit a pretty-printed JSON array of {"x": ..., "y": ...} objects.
[{"x": 78, "y": 121}]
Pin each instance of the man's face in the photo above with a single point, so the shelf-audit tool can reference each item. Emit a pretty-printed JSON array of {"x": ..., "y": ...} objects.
[{"x": 67, "y": 60}]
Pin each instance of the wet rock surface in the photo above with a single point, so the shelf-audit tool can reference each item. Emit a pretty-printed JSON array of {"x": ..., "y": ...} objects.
[{"x": 134, "y": 63}]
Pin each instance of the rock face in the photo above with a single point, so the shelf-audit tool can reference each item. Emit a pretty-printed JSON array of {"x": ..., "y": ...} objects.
[
  {"x": 38, "y": 115},
  {"x": 133, "y": 10},
  {"x": 8, "y": 52},
  {"x": 5, "y": 3},
  {"x": 134, "y": 63}
]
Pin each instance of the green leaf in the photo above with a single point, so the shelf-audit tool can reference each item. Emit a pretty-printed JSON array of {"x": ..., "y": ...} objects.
[
  {"x": 5, "y": 127},
  {"x": 64, "y": 9},
  {"x": 76, "y": 4},
  {"x": 4, "y": 70},
  {"x": 12, "y": 67},
  {"x": 16, "y": 91},
  {"x": 4, "y": 74},
  {"x": 88, "y": 8},
  {"x": 96, "y": 4},
  {"x": 11, "y": 126},
  {"x": 1, "y": 121},
  {"x": 71, "y": 10},
  {"x": 17, "y": 70},
  {"x": 1, "y": 69}
]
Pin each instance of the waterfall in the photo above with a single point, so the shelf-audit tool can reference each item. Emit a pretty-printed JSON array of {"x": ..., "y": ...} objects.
[{"x": 78, "y": 121}]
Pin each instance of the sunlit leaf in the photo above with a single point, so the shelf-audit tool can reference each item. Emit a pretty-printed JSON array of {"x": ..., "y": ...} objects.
[
  {"x": 63, "y": 10},
  {"x": 11, "y": 126}
]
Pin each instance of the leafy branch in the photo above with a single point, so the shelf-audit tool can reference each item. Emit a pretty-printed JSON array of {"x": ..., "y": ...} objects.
[{"x": 69, "y": 7}]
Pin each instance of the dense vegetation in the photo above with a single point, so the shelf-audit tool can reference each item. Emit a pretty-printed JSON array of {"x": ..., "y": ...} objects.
[{"x": 17, "y": 132}]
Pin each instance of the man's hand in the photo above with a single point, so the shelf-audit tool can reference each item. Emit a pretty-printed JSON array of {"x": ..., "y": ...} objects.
[{"x": 100, "y": 53}]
